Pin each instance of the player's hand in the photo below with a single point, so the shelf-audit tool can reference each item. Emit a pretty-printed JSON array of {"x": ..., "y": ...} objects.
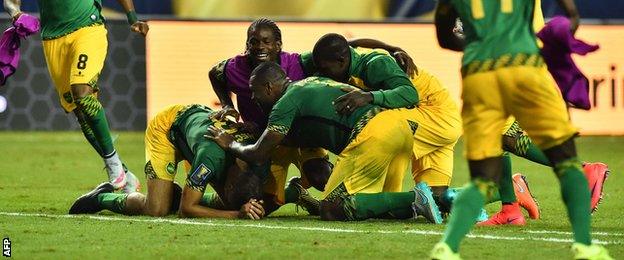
[
  {"x": 16, "y": 16},
  {"x": 252, "y": 210},
  {"x": 248, "y": 127},
  {"x": 140, "y": 27},
  {"x": 405, "y": 62},
  {"x": 220, "y": 137},
  {"x": 225, "y": 112},
  {"x": 351, "y": 101}
]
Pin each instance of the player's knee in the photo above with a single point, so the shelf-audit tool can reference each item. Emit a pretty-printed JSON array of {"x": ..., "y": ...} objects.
[
  {"x": 81, "y": 90},
  {"x": 157, "y": 209},
  {"x": 562, "y": 152},
  {"x": 317, "y": 172},
  {"x": 332, "y": 210}
]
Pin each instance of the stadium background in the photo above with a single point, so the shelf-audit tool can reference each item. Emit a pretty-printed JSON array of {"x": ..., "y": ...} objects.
[{"x": 187, "y": 37}]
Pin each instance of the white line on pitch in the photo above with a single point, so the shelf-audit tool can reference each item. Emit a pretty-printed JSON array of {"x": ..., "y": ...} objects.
[
  {"x": 570, "y": 233},
  {"x": 321, "y": 229}
]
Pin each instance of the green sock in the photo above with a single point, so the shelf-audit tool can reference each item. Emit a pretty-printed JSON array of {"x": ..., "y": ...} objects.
[
  {"x": 95, "y": 117},
  {"x": 525, "y": 148},
  {"x": 397, "y": 205},
  {"x": 575, "y": 193},
  {"x": 495, "y": 196},
  {"x": 88, "y": 133},
  {"x": 466, "y": 208},
  {"x": 505, "y": 185},
  {"x": 291, "y": 194},
  {"x": 115, "y": 202}
]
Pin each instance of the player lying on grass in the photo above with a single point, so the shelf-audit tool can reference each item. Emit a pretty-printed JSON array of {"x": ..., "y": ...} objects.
[
  {"x": 264, "y": 43},
  {"x": 374, "y": 146},
  {"x": 173, "y": 135},
  {"x": 74, "y": 43},
  {"x": 503, "y": 74}
]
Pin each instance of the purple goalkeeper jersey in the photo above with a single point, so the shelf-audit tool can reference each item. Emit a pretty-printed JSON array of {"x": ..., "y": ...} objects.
[{"x": 237, "y": 74}]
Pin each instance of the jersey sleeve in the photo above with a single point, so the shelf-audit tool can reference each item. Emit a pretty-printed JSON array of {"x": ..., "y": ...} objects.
[
  {"x": 283, "y": 114},
  {"x": 220, "y": 72},
  {"x": 394, "y": 88},
  {"x": 307, "y": 63}
]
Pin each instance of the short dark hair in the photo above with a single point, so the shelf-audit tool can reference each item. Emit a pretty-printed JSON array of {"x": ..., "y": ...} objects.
[
  {"x": 265, "y": 23},
  {"x": 240, "y": 187},
  {"x": 267, "y": 71},
  {"x": 330, "y": 47}
]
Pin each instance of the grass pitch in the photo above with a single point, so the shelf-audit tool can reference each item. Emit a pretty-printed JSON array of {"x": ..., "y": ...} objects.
[{"x": 42, "y": 174}]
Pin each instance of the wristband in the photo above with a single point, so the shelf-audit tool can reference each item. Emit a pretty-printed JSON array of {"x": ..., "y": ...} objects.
[{"x": 132, "y": 17}]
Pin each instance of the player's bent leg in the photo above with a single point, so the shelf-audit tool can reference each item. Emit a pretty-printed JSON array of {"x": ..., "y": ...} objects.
[
  {"x": 521, "y": 145},
  {"x": 574, "y": 188},
  {"x": 158, "y": 201},
  {"x": 467, "y": 207},
  {"x": 91, "y": 111},
  {"x": 89, "y": 202}
]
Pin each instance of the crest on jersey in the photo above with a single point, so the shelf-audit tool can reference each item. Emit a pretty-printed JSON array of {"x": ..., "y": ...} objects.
[{"x": 200, "y": 176}]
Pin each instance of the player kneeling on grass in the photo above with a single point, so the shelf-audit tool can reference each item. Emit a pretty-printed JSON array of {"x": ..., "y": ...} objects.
[
  {"x": 176, "y": 134},
  {"x": 374, "y": 146}
]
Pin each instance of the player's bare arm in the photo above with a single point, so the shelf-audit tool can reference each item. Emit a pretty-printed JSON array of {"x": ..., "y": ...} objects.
[
  {"x": 13, "y": 8},
  {"x": 220, "y": 88},
  {"x": 254, "y": 154},
  {"x": 569, "y": 7},
  {"x": 135, "y": 25},
  {"x": 190, "y": 208},
  {"x": 445, "y": 17}
]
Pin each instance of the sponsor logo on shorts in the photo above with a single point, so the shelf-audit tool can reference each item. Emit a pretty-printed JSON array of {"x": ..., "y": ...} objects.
[{"x": 6, "y": 247}]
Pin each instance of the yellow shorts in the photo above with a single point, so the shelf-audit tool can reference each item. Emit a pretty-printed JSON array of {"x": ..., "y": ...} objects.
[
  {"x": 528, "y": 93},
  {"x": 281, "y": 158},
  {"x": 439, "y": 128},
  {"x": 161, "y": 156},
  {"x": 377, "y": 159},
  {"x": 76, "y": 58}
]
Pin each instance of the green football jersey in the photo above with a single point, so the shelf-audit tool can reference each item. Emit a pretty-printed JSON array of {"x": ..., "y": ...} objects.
[
  {"x": 306, "y": 115},
  {"x": 376, "y": 71},
  {"x": 187, "y": 135},
  {"x": 61, "y": 17},
  {"x": 498, "y": 33}
]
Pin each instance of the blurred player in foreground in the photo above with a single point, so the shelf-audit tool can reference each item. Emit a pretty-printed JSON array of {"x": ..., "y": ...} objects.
[
  {"x": 503, "y": 74},
  {"x": 75, "y": 43},
  {"x": 173, "y": 135}
]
